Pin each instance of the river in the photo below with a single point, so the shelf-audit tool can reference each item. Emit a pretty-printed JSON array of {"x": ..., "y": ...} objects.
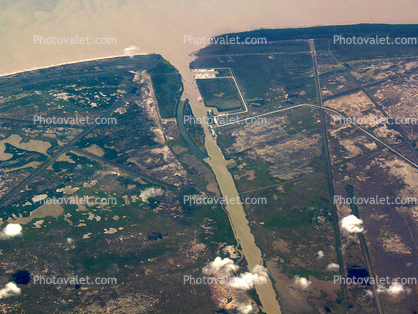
[{"x": 236, "y": 212}]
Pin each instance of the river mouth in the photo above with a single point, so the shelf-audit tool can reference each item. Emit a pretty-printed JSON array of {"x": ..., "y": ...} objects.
[{"x": 236, "y": 213}]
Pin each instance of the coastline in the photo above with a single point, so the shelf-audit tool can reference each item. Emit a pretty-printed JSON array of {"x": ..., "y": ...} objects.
[
  {"x": 144, "y": 25},
  {"x": 186, "y": 56},
  {"x": 66, "y": 63}
]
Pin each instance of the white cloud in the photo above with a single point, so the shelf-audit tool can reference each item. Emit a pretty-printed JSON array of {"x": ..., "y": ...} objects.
[
  {"x": 220, "y": 267},
  {"x": 131, "y": 51},
  {"x": 11, "y": 230},
  {"x": 245, "y": 309},
  {"x": 70, "y": 241},
  {"x": 248, "y": 280},
  {"x": 394, "y": 289},
  {"x": 320, "y": 254},
  {"x": 224, "y": 269},
  {"x": 150, "y": 192},
  {"x": 9, "y": 290},
  {"x": 352, "y": 224},
  {"x": 302, "y": 282},
  {"x": 332, "y": 267}
]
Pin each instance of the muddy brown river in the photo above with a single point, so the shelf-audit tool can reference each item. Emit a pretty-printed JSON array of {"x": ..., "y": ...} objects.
[{"x": 236, "y": 212}]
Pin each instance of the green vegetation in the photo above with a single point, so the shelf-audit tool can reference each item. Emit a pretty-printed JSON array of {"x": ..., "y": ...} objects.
[
  {"x": 261, "y": 174},
  {"x": 293, "y": 270},
  {"x": 185, "y": 134},
  {"x": 221, "y": 93},
  {"x": 167, "y": 87},
  {"x": 78, "y": 171},
  {"x": 268, "y": 79},
  {"x": 195, "y": 130},
  {"x": 132, "y": 130},
  {"x": 212, "y": 216},
  {"x": 20, "y": 157},
  {"x": 302, "y": 119}
]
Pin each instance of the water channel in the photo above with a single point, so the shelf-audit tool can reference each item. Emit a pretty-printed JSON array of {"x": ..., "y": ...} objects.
[{"x": 236, "y": 212}]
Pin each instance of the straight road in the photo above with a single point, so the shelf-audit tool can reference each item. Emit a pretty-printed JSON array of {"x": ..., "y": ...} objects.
[{"x": 332, "y": 192}]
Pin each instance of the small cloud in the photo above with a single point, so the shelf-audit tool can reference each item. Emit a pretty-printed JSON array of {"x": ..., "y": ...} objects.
[
  {"x": 332, "y": 267},
  {"x": 245, "y": 309},
  {"x": 70, "y": 241},
  {"x": 150, "y": 192},
  {"x": 11, "y": 230},
  {"x": 131, "y": 51},
  {"x": 302, "y": 282},
  {"x": 224, "y": 269},
  {"x": 9, "y": 290},
  {"x": 320, "y": 254},
  {"x": 248, "y": 280},
  {"x": 220, "y": 267},
  {"x": 394, "y": 289},
  {"x": 352, "y": 224}
]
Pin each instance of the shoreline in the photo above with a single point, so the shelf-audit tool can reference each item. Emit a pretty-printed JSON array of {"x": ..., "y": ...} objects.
[
  {"x": 67, "y": 63},
  {"x": 2, "y": 75},
  {"x": 191, "y": 54}
]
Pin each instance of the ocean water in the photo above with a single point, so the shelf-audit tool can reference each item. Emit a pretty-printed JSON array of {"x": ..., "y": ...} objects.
[{"x": 161, "y": 26}]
